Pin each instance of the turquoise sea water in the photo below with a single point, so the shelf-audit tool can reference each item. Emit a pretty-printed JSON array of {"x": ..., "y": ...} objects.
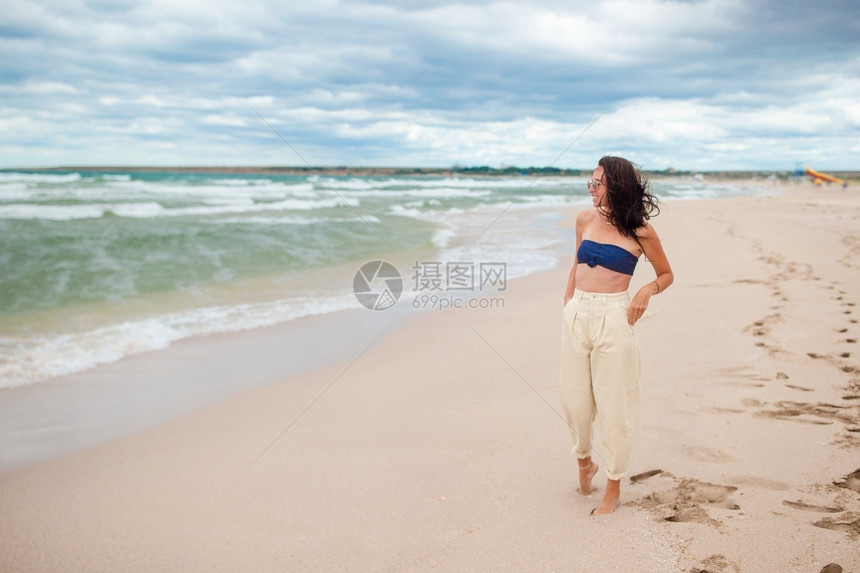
[{"x": 99, "y": 266}]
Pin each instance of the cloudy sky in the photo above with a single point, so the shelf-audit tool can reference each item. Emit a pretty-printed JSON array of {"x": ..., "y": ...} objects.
[{"x": 711, "y": 84}]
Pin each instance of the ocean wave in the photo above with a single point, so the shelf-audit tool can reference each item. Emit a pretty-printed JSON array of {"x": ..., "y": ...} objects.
[
  {"x": 153, "y": 210},
  {"x": 442, "y": 237},
  {"x": 178, "y": 190},
  {"x": 454, "y": 182},
  {"x": 500, "y": 182},
  {"x": 428, "y": 192},
  {"x": 121, "y": 190},
  {"x": 295, "y": 220},
  {"x": 16, "y": 192},
  {"x": 50, "y": 212},
  {"x": 349, "y": 184},
  {"x": 413, "y": 212},
  {"x": 39, "y": 358},
  {"x": 20, "y": 177},
  {"x": 236, "y": 182},
  {"x": 535, "y": 254},
  {"x": 421, "y": 210},
  {"x": 705, "y": 190}
]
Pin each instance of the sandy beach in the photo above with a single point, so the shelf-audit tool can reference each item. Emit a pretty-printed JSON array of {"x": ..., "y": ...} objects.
[{"x": 439, "y": 444}]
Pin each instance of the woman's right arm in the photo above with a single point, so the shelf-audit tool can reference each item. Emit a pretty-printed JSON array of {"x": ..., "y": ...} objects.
[{"x": 571, "y": 279}]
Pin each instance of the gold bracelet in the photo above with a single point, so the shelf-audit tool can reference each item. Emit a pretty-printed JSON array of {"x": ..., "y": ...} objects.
[{"x": 658, "y": 287}]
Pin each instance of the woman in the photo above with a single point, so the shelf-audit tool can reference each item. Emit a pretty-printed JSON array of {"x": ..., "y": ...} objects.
[{"x": 600, "y": 355}]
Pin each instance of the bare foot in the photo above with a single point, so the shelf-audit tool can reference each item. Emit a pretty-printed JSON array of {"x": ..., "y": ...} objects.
[
  {"x": 610, "y": 498},
  {"x": 586, "y": 473}
]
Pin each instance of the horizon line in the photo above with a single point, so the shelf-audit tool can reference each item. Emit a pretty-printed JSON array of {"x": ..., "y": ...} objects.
[{"x": 348, "y": 168}]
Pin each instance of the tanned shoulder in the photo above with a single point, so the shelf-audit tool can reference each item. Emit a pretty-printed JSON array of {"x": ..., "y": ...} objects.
[
  {"x": 646, "y": 232},
  {"x": 584, "y": 216}
]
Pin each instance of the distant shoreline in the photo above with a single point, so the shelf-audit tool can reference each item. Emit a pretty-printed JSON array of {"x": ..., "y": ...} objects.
[{"x": 482, "y": 171}]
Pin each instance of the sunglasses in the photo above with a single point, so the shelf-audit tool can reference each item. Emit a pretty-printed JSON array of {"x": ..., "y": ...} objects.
[{"x": 593, "y": 183}]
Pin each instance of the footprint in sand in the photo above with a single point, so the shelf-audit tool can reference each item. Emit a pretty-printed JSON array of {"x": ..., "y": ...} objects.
[
  {"x": 760, "y": 482},
  {"x": 638, "y": 478},
  {"x": 854, "y": 385},
  {"x": 685, "y": 500},
  {"x": 850, "y": 524},
  {"x": 850, "y": 481},
  {"x": 703, "y": 454},
  {"x": 743, "y": 376},
  {"x": 720, "y": 410},
  {"x": 809, "y": 507},
  {"x": 762, "y": 326},
  {"x": 821, "y": 413},
  {"x": 716, "y": 562}
]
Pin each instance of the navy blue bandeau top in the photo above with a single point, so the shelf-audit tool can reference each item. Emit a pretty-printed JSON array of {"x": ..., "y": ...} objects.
[{"x": 612, "y": 257}]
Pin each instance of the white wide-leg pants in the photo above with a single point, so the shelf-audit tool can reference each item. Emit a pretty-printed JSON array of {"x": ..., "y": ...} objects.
[{"x": 600, "y": 366}]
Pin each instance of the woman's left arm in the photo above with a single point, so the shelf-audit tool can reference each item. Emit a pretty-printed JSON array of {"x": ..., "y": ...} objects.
[{"x": 653, "y": 249}]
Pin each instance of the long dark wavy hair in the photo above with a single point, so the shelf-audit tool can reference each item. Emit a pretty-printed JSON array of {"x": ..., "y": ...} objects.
[{"x": 628, "y": 195}]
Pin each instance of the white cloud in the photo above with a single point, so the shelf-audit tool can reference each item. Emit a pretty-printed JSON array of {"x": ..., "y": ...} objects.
[
  {"x": 716, "y": 83},
  {"x": 46, "y": 87},
  {"x": 227, "y": 120}
]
